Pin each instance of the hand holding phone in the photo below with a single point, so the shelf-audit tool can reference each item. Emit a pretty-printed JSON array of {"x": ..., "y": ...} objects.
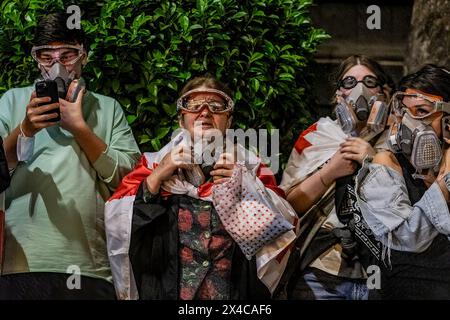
[
  {"x": 48, "y": 88},
  {"x": 40, "y": 112}
]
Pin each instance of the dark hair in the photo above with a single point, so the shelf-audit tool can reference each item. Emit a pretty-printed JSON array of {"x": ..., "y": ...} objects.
[
  {"x": 53, "y": 28},
  {"x": 430, "y": 79},
  {"x": 386, "y": 81},
  {"x": 208, "y": 81}
]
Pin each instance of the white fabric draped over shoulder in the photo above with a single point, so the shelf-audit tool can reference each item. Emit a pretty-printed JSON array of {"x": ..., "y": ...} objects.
[{"x": 315, "y": 146}]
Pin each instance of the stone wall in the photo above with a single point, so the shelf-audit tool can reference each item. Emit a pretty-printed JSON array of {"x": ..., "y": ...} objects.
[
  {"x": 430, "y": 34},
  {"x": 346, "y": 21}
]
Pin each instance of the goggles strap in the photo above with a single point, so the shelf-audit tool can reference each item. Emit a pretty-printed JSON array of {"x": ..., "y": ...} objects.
[{"x": 430, "y": 96}]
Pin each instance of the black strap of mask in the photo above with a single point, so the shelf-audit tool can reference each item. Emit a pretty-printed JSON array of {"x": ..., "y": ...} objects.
[
  {"x": 416, "y": 187},
  {"x": 346, "y": 217},
  {"x": 341, "y": 190}
]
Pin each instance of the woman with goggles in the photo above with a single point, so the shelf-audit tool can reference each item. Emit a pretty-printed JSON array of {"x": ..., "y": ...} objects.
[
  {"x": 417, "y": 104},
  {"x": 404, "y": 193},
  {"x": 370, "y": 81},
  {"x": 180, "y": 245},
  {"x": 319, "y": 183}
]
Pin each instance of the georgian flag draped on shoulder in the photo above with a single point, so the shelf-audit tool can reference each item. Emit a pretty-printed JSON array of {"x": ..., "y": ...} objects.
[
  {"x": 271, "y": 259},
  {"x": 315, "y": 146}
]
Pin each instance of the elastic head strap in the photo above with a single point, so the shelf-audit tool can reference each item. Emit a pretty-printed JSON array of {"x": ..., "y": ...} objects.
[
  {"x": 228, "y": 100},
  {"x": 431, "y": 97}
]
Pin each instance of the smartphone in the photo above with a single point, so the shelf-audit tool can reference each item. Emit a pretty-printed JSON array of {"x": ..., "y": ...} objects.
[{"x": 48, "y": 88}]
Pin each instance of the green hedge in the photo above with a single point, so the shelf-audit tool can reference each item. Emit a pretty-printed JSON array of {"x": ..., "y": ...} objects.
[{"x": 142, "y": 52}]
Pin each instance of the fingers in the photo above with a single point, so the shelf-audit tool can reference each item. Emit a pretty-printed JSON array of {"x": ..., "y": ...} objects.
[
  {"x": 353, "y": 157},
  {"x": 226, "y": 159},
  {"x": 350, "y": 149},
  {"x": 229, "y": 166},
  {"x": 182, "y": 156},
  {"x": 44, "y": 124},
  {"x": 222, "y": 172},
  {"x": 222, "y": 180},
  {"x": 224, "y": 166},
  {"x": 358, "y": 147},
  {"x": 77, "y": 102},
  {"x": 353, "y": 141},
  {"x": 81, "y": 95},
  {"x": 36, "y": 111},
  {"x": 34, "y": 102},
  {"x": 46, "y": 108},
  {"x": 43, "y": 117},
  {"x": 183, "y": 160}
]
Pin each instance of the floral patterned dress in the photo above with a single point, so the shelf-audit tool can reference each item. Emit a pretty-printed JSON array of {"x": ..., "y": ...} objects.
[{"x": 205, "y": 252}]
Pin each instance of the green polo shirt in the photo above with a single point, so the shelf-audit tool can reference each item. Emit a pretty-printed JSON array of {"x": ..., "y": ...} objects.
[{"x": 55, "y": 204}]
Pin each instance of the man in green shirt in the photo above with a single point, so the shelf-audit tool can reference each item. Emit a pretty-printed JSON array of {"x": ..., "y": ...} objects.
[{"x": 65, "y": 170}]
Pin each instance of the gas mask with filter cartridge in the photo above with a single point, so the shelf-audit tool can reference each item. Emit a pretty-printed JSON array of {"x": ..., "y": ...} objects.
[
  {"x": 361, "y": 109},
  {"x": 53, "y": 60},
  {"x": 413, "y": 135}
]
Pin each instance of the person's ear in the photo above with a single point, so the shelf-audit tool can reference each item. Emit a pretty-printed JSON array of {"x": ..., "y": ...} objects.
[
  {"x": 84, "y": 60},
  {"x": 181, "y": 120},
  {"x": 385, "y": 90},
  {"x": 229, "y": 121}
]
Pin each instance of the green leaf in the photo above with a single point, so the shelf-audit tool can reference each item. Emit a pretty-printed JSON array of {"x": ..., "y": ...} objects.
[
  {"x": 255, "y": 84},
  {"x": 184, "y": 22},
  {"x": 156, "y": 144},
  {"x": 115, "y": 85},
  {"x": 131, "y": 119},
  {"x": 162, "y": 132},
  {"x": 195, "y": 27},
  {"x": 121, "y": 22},
  {"x": 144, "y": 138},
  {"x": 256, "y": 56},
  {"x": 238, "y": 15},
  {"x": 153, "y": 89}
]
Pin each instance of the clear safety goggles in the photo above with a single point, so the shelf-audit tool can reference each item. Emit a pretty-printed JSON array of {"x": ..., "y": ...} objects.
[
  {"x": 423, "y": 105},
  {"x": 184, "y": 103},
  {"x": 65, "y": 54}
]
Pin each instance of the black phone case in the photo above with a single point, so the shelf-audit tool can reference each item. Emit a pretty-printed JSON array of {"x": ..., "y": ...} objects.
[{"x": 48, "y": 88}]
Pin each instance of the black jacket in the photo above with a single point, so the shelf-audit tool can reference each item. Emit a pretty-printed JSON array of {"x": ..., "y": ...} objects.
[{"x": 154, "y": 253}]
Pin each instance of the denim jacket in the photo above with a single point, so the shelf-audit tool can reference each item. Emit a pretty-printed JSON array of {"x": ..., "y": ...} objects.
[{"x": 383, "y": 198}]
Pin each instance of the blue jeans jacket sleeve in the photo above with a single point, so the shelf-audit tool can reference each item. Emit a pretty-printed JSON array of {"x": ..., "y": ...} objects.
[{"x": 385, "y": 205}]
